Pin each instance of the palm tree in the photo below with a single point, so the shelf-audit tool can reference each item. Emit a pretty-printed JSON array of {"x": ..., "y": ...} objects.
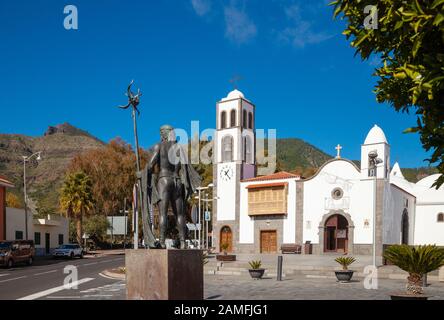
[
  {"x": 76, "y": 198},
  {"x": 416, "y": 261}
]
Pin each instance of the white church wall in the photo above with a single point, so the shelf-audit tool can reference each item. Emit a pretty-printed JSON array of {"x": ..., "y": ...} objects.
[
  {"x": 394, "y": 206},
  {"x": 289, "y": 235},
  {"x": 226, "y": 204},
  {"x": 246, "y": 223},
  {"x": 361, "y": 210},
  {"x": 356, "y": 200},
  {"x": 429, "y": 203},
  {"x": 427, "y": 229}
]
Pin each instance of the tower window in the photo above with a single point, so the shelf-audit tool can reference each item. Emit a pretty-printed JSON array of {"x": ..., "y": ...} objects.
[
  {"x": 223, "y": 120},
  {"x": 244, "y": 118},
  {"x": 227, "y": 148},
  {"x": 250, "y": 120},
  {"x": 247, "y": 150},
  {"x": 233, "y": 118},
  {"x": 440, "y": 217}
]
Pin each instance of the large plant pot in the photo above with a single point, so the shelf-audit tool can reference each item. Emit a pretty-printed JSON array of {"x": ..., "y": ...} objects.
[
  {"x": 256, "y": 273},
  {"x": 344, "y": 275},
  {"x": 226, "y": 257},
  {"x": 406, "y": 296}
]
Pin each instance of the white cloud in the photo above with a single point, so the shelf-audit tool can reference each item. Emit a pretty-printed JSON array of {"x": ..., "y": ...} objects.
[
  {"x": 300, "y": 32},
  {"x": 238, "y": 26},
  {"x": 201, "y": 7}
]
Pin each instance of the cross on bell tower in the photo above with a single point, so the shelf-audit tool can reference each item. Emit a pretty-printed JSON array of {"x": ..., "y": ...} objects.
[
  {"x": 338, "y": 149},
  {"x": 235, "y": 80}
]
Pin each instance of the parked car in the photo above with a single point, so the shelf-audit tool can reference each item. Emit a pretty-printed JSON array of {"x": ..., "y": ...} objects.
[
  {"x": 16, "y": 251},
  {"x": 68, "y": 251}
]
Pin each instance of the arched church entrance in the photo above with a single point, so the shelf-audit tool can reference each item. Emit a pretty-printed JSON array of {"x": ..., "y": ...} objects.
[
  {"x": 405, "y": 227},
  {"x": 226, "y": 236},
  {"x": 336, "y": 234}
]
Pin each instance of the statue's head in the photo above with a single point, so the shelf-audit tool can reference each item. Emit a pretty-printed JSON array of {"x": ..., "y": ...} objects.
[{"x": 167, "y": 133}]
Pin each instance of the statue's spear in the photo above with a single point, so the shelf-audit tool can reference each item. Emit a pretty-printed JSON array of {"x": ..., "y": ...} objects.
[{"x": 133, "y": 101}]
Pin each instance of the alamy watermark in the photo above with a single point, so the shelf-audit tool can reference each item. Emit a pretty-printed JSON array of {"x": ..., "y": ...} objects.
[
  {"x": 71, "y": 20},
  {"x": 71, "y": 280},
  {"x": 199, "y": 147},
  {"x": 371, "y": 20}
]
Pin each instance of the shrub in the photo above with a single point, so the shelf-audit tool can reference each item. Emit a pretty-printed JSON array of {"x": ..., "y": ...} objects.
[
  {"x": 345, "y": 261},
  {"x": 255, "y": 264}
]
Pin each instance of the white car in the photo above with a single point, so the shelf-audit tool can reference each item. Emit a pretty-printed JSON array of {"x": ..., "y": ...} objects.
[{"x": 68, "y": 251}]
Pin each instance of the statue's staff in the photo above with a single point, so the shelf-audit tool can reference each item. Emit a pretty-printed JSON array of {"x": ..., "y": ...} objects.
[{"x": 133, "y": 101}]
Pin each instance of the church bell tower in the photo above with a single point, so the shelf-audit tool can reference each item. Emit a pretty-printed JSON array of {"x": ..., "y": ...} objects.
[{"x": 234, "y": 160}]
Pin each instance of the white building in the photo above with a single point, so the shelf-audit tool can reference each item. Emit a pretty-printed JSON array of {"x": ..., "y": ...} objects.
[
  {"x": 47, "y": 233},
  {"x": 337, "y": 209}
]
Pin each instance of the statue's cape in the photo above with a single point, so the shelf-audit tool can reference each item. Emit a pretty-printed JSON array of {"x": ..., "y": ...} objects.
[{"x": 189, "y": 177}]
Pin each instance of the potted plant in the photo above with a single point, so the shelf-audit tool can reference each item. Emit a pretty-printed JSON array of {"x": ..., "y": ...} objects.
[
  {"x": 417, "y": 262},
  {"x": 225, "y": 256},
  {"x": 256, "y": 272},
  {"x": 344, "y": 275},
  {"x": 224, "y": 246}
]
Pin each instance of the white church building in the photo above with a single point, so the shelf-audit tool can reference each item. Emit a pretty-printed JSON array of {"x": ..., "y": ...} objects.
[{"x": 343, "y": 208}]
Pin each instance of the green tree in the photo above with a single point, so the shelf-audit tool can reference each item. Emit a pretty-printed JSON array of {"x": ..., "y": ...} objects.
[
  {"x": 409, "y": 40},
  {"x": 13, "y": 201},
  {"x": 96, "y": 227},
  {"x": 76, "y": 198}
]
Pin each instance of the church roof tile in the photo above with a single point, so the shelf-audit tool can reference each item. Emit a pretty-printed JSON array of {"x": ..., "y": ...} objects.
[{"x": 274, "y": 176}]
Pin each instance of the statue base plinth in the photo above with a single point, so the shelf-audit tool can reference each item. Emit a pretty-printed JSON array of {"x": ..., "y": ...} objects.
[{"x": 160, "y": 274}]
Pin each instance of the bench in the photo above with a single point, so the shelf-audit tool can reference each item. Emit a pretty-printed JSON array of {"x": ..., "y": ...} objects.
[{"x": 291, "y": 248}]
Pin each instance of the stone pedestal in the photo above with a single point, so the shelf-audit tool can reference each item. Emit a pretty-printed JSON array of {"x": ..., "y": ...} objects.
[
  {"x": 441, "y": 274},
  {"x": 160, "y": 274}
]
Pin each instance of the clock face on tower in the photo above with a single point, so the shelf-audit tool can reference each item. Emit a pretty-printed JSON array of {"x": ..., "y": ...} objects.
[{"x": 226, "y": 173}]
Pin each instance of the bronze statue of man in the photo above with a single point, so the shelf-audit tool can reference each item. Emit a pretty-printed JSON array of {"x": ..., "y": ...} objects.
[{"x": 172, "y": 184}]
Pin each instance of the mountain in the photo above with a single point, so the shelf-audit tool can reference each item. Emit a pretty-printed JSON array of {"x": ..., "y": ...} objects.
[
  {"x": 293, "y": 153},
  {"x": 58, "y": 145}
]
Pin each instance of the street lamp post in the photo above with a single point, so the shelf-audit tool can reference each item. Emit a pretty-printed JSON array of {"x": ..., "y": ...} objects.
[
  {"x": 373, "y": 166},
  {"x": 206, "y": 221},
  {"x": 25, "y": 160},
  {"x": 200, "y": 236}
]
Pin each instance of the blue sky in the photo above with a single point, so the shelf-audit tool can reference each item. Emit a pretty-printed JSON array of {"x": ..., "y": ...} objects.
[{"x": 295, "y": 66}]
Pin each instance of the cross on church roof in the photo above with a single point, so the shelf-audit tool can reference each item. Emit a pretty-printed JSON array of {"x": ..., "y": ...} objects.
[
  {"x": 234, "y": 81},
  {"x": 338, "y": 149}
]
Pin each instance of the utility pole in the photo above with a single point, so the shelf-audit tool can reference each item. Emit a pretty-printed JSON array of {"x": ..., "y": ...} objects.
[
  {"x": 26, "y": 198},
  {"x": 26, "y": 159},
  {"x": 206, "y": 221},
  {"x": 199, "y": 221}
]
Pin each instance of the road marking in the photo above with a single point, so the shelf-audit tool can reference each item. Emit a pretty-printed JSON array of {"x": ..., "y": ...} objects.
[
  {"x": 64, "y": 297},
  {"x": 4, "y": 274},
  {"x": 46, "y": 272},
  {"x": 54, "y": 290},
  {"x": 108, "y": 277},
  {"x": 89, "y": 264},
  {"x": 106, "y": 261},
  {"x": 12, "y": 279}
]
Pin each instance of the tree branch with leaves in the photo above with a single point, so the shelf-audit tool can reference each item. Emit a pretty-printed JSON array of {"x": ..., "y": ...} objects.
[{"x": 409, "y": 40}]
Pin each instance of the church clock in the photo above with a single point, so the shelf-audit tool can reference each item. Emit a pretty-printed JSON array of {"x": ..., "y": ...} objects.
[{"x": 226, "y": 173}]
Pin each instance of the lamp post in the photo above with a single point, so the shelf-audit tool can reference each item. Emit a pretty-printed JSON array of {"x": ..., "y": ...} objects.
[
  {"x": 26, "y": 159},
  {"x": 125, "y": 215},
  {"x": 199, "y": 189},
  {"x": 373, "y": 166}
]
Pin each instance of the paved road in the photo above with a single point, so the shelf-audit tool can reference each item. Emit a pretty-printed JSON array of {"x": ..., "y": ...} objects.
[{"x": 46, "y": 278}]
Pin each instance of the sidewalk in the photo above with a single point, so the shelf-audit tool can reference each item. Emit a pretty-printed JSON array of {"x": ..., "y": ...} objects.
[
  {"x": 103, "y": 253},
  {"x": 310, "y": 266}
]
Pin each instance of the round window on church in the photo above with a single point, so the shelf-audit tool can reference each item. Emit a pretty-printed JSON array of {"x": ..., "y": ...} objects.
[{"x": 337, "y": 193}]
